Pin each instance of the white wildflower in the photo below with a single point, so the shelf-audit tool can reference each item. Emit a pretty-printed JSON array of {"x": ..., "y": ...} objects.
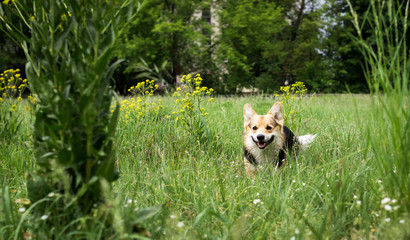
[
  {"x": 44, "y": 217},
  {"x": 256, "y": 201},
  {"x": 385, "y": 200},
  {"x": 22, "y": 209},
  {"x": 387, "y": 220},
  {"x": 388, "y": 207},
  {"x": 173, "y": 216},
  {"x": 180, "y": 224}
]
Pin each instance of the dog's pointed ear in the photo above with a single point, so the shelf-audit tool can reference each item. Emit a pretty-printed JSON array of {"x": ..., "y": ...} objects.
[
  {"x": 248, "y": 113},
  {"x": 276, "y": 112}
]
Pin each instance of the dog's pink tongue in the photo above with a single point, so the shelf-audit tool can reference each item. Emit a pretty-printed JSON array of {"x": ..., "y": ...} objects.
[{"x": 261, "y": 144}]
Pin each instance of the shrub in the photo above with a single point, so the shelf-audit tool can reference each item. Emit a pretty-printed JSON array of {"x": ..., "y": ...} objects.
[{"x": 69, "y": 53}]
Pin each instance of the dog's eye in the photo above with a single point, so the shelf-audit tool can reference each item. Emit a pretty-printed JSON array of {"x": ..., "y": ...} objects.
[
  {"x": 254, "y": 128},
  {"x": 268, "y": 127}
]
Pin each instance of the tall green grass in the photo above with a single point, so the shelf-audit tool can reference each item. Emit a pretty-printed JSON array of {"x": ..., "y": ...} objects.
[
  {"x": 198, "y": 191},
  {"x": 387, "y": 71}
]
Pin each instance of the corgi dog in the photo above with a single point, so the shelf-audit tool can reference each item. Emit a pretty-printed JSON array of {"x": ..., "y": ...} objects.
[{"x": 267, "y": 140}]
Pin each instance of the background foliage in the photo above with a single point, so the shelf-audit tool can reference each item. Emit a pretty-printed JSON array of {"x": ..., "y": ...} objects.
[
  {"x": 252, "y": 44},
  {"x": 255, "y": 44}
]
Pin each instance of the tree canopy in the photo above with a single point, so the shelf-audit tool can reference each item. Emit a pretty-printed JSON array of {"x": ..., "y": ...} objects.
[{"x": 240, "y": 44}]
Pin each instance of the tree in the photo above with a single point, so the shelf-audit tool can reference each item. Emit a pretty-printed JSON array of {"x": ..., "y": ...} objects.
[
  {"x": 167, "y": 31},
  {"x": 345, "y": 60},
  {"x": 249, "y": 45},
  {"x": 340, "y": 51},
  {"x": 268, "y": 43},
  {"x": 303, "y": 61}
]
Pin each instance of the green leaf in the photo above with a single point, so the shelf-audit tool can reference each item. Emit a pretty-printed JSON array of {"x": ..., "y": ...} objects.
[
  {"x": 208, "y": 212},
  {"x": 60, "y": 39},
  {"x": 146, "y": 213}
]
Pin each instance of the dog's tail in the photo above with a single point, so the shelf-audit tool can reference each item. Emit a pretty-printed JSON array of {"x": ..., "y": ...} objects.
[{"x": 305, "y": 140}]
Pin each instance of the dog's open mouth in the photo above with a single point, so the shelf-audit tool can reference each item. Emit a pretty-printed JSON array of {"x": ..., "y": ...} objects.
[{"x": 263, "y": 145}]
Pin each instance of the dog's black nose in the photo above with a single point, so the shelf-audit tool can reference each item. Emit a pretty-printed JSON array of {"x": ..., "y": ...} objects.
[{"x": 260, "y": 137}]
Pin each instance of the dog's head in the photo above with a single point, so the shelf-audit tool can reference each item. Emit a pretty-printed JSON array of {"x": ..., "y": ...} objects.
[{"x": 263, "y": 129}]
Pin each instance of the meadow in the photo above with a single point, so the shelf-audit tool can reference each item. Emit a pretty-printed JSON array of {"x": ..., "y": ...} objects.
[
  {"x": 79, "y": 162},
  {"x": 193, "y": 185}
]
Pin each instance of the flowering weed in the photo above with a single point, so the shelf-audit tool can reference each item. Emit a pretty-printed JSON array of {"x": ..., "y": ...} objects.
[
  {"x": 138, "y": 106},
  {"x": 291, "y": 97},
  {"x": 191, "y": 112},
  {"x": 12, "y": 84},
  {"x": 12, "y": 87}
]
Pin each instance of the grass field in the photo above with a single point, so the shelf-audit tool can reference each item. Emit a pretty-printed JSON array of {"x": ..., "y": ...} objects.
[{"x": 196, "y": 188}]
